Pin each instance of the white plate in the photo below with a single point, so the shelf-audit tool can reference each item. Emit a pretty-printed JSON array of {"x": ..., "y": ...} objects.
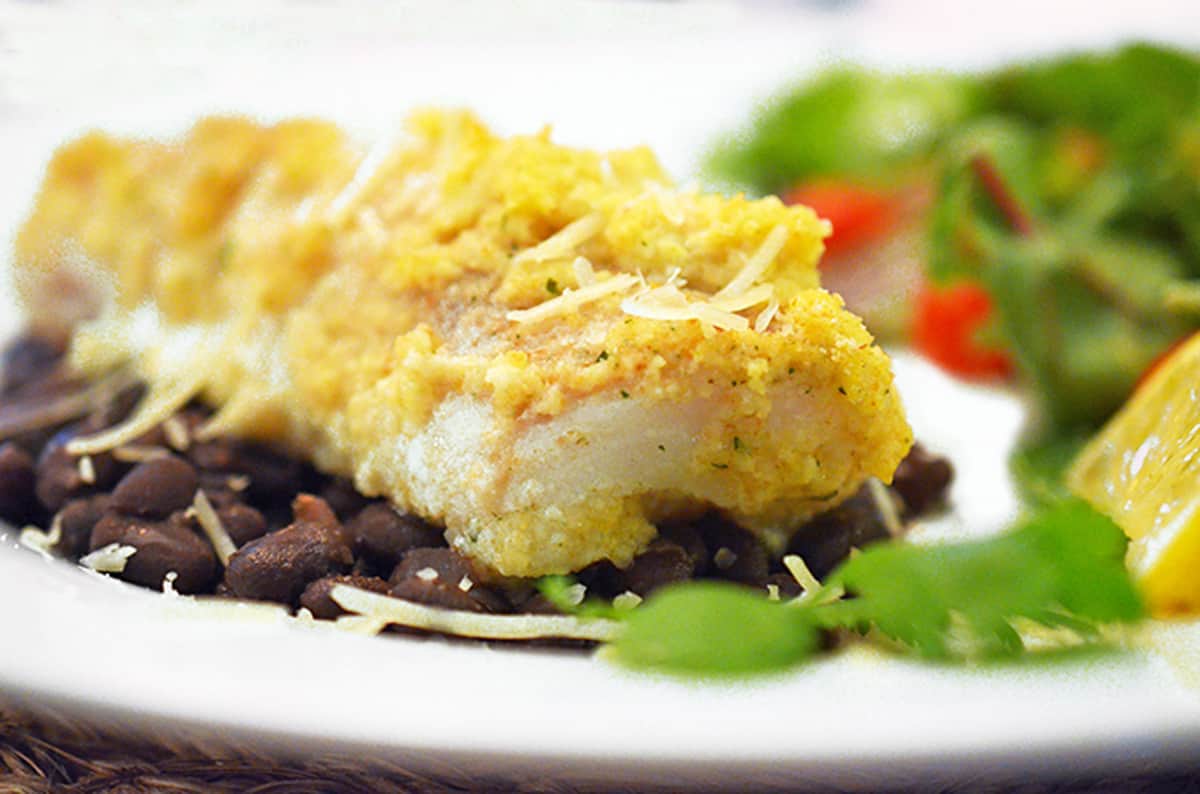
[{"x": 87, "y": 646}]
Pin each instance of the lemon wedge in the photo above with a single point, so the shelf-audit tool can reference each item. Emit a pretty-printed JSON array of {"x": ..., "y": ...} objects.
[{"x": 1143, "y": 471}]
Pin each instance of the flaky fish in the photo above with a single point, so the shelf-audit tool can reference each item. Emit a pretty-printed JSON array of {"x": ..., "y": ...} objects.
[{"x": 549, "y": 351}]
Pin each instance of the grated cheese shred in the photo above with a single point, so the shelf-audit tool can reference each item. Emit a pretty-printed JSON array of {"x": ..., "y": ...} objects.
[
  {"x": 745, "y": 300},
  {"x": 210, "y": 522},
  {"x": 42, "y": 542},
  {"x": 87, "y": 469},
  {"x": 669, "y": 303},
  {"x": 626, "y": 600},
  {"x": 108, "y": 559},
  {"x": 154, "y": 409},
  {"x": 585, "y": 274},
  {"x": 885, "y": 506},
  {"x": 804, "y": 577},
  {"x": 138, "y": 453},
  {"x": 177, "y": 433},
  {"x": 757, "y": 264},
  {"x": 375, "y": 607},
  {"x": 763, "y": 321},
  {"x": 563, "y": 242},
  {"x": 572, "y": 299}
]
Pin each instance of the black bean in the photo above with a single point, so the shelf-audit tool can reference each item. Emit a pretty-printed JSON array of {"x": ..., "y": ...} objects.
[
  {"x": 922, "y": 480},
  {"x": 662, "y": 563},
  {"x": 61, "y": 476},
  {"x": 76, "y": 520},
  {"x": 18, "y": 502},
  {"x": 382, "y": 536},
  {"x": 162, "y": 547},
  {"x": 441, "y": 577},
  {"x": 317, "y": 600},
  {"x": 734, "y": 554},
  {"x": 309, "y": 509},
  {"x": 692, "y": 542},
  {"x": 363, "y": 568},
  {"x": 278, "y": 566},
  {"x": 156, "y": 488},
  {"x": 826, "y": 540},
  {"x": 271, "y": 477},
  {"x": 242, "y": 522},
  {"x": 342, "y": 496},
  {"x": 536, "y": 604},
  {"x": 27, "y": 359},
  {"x": 602, "y": 578}
]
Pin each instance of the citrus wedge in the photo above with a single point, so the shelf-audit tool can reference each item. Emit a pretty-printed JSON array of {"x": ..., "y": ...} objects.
[{"x": 1143, "y": 470}]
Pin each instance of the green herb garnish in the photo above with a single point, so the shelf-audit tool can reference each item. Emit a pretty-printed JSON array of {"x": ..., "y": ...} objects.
[
  {"x": 715, "y": 629},
  {"x": 1061, "y": 568}
]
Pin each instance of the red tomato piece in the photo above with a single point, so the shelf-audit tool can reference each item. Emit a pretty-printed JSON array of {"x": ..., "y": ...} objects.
[
  {"x": 858, "y": 213},
  {"x": 945, "y": 329}
]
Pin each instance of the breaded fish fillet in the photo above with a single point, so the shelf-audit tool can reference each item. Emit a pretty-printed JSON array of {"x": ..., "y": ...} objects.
[{"x": 548, "y": 350}]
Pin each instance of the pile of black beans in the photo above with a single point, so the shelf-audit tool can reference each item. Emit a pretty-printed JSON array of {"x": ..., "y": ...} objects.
[{"x": 299, "y": 533}]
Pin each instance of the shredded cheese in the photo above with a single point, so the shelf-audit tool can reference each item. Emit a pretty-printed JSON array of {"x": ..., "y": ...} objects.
[
  {"x": 366, "y": 625},
  {"x": 108, "y": 559},
  {"x": 757, "y": 264},
  {"x": 42, "y": 542},
  {"x": 154, "y": 409},
  {"x": 138, "y": 453},
  {"x": 87, "y": 470},
  {"x": 210, "y": 522},
  {"x": 575, "y": 594},
  {"x": 751, "y": 297},
  {"x": 364, "y": 175},
  {"x": 668, "y": 302},
  {"x": 585, "y": 274},
  {"x": 763, "y": 321},
  {"x": 177, "y": 433},
  {"x": 572, "y": 299},
  {"x": 812, "y": 588},
  {"x": 563, "y": 242},
  {"x": 885, "y": 506},
  {"x": 804, "y": 577},
  {"x": 665, "y": 302},
  {"x": 373, "y": 606},
  {"x": 627, "y": 600}
]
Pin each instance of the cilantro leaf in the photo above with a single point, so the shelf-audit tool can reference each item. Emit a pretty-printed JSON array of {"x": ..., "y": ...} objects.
[
  {"x": 958, "y": 601},
  {"x": 1062, "y": 568},
  {"x": 715, "y": 629}
]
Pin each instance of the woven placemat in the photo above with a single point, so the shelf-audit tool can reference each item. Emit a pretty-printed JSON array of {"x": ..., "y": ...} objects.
[{"x": 40, "y": 755}]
